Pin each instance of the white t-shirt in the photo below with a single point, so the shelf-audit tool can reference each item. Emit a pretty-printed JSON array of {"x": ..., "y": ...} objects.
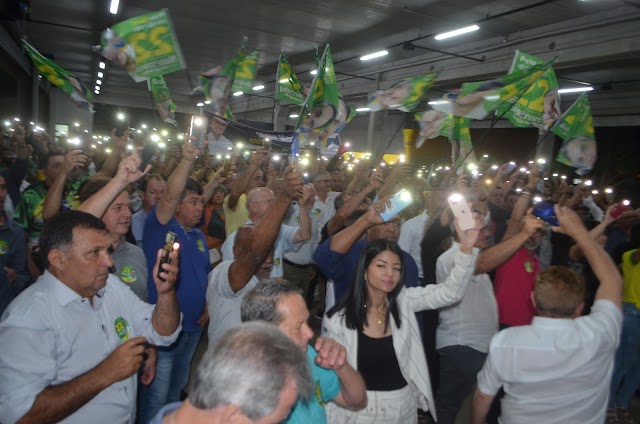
[{"x": 411, "y": 234}]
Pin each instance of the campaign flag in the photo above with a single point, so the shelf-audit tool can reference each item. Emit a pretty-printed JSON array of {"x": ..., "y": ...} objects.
[
  {"x": 460, "y": 138},
  {"x": 288, "y": 87},
  {"x": 72, "y": 87},
  {"x": 245, "y": 73},
  {"x": 575, "y": 127},
  {"x": 404, "y": 95},
  {"x": 539, "y": 106},
  {"x": 476, "y": 100},
  {"x": 162, "y": 99},
  {"x": 433, "y": 123},
  {"x": 145, "y": 46},
  {"x": 321, "y": 106}
]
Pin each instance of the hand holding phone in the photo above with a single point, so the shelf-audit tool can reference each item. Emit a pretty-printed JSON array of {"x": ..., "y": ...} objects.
[
  {"x": 399, "y": 202},
  {"x": 198, "y": 130},
  {"x": 544, "y": 211},
  {"x": 169, "y": 245},
  {"x": 620, "y": 208},
  {"x": 461, "y": 210}
]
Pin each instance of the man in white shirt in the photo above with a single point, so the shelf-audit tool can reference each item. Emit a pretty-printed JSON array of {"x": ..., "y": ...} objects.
[
  {"x": 218, "y": 143},
  {"x": 558, "y": 369},
  {"x": 72, "y": 343}
]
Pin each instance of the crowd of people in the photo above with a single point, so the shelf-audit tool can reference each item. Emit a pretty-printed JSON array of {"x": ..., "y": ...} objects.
[{"x": 535, "y": 322}]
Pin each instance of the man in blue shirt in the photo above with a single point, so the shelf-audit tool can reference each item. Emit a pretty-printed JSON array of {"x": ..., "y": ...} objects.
[
  {"x": 179, "y": 211},
  {"x": 281, "y": 303}
]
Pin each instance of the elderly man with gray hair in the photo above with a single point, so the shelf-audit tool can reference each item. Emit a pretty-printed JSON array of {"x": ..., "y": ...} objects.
[
  {"x": 254, "y": 373},
  {"x": 281, "y": 304}
]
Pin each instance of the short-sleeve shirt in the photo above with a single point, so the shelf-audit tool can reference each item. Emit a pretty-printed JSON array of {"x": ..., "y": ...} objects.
[
  {"x": 235, "y": 219},
  {"x": 555, "y": 370},
  {"x": 137, "y": 225},
  {"x": 514, "y": 282},
  {"x": 50, "y": 335},
  {"x": 326, "y": 388},
  {"x": 222, "y": 302},
  {"x": 28, "y": 213},
  {"x": 191, "y": 284}
]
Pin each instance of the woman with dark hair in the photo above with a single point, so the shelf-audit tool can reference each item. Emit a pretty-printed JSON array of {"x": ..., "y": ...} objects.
[{"x": 376, "y": 323}]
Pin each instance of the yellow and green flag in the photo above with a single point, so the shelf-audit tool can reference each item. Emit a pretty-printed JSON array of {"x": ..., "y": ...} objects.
[
  {"x": 433, "y": 123},
  {"x": 460, "y": 138},
  {"x": 288, "y": 87},
  {"x": 575, "y": 127},
  {"x": 162, "y": 99},
  {"x": 72, "y": 87},
  {"x": 404, "y": 95},
  {"x": 245, "y": 73}
]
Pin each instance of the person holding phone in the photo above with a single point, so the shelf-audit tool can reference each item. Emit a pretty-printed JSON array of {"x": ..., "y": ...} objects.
[{"x": 376, "y": 323}]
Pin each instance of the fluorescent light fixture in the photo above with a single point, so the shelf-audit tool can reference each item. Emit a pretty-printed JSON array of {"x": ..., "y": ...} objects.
[
  {"x": 97, "y": 87},
  {"x": 200, "y": 104},
  {"x": 99, "y": 82},
  {"x": 114, "y": 7},
  {"x": 238, "y": 93},
  {"x": 120, "y": 116},
  {"x": 362, "y": 109},
  {"x": 315, "y": 71},
  {"x": 294, "y": 115},
  {"x": 207, "y": 102},
  {"x": 97, "y": 91},
  {"x": 374, "y": 55},
  {"x": 575, "y": 90},
  {"x": 102, "y": 65},
  {"x": 283, "y": 80},
  {"x": 258, "y": 88},
  {"x": 144, "y": 126},
  {"x": 100, "y": 75},
  {"x": 456, "y": 32},
  {"x": 438, "y": 102}
]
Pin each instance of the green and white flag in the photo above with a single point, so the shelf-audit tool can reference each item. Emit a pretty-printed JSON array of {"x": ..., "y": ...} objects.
[
  {"x": 245, "y": 73},
  {"x": 322, "y": 103},
  {"x": 404, "y": 95},
  {"x": 72, "y": 87},
  {"x": 433, "y": 123},
  {"x": 288, "y": 87},
  {"x": 460, "y": 138},
  {"x": 476, "y": 100},
  {"x": 575, "y": 127},
  {"x": 539, "y": 106},
  {"x": 145, "y": 46},
  {"x": 162, "y": 99}
]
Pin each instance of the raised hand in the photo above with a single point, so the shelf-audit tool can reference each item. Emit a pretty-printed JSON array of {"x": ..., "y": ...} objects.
[
  {"x": 331, "y": 354},
  {"x": 292, "y": 182},
  {"x": 570, "y": 223},
  {"x": 73, "y": 159},
  {"x": 169, "y": 272}
]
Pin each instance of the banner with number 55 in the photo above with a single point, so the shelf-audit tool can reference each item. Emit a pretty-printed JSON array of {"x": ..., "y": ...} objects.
[{"x": 146, "y": 46}]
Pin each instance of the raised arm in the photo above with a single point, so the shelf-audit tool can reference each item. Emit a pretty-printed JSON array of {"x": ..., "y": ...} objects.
[
  {"x": 53, "y": 198},
  {"x": 603, "y": 267},
  {"x": 169, "y": 202},
  {"x": 306, "y": 202},
  {"x": 519, "y": 209},
  {"x": 242, "y": 183}
]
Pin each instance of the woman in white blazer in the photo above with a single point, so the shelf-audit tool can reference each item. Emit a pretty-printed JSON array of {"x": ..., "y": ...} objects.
[{"x": 377, "y": 315}]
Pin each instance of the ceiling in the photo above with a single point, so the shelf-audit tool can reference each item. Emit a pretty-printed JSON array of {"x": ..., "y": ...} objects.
[{"x": 598, "y": 43}]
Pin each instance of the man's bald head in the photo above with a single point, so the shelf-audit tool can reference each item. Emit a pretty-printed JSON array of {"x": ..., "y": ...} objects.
[
  {"x": 258, "y": 202},
  {"x": 243, "y": 238}
]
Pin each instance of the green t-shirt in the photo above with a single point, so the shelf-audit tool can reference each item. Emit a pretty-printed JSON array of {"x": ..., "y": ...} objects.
[{"x": 28, "y": 213}]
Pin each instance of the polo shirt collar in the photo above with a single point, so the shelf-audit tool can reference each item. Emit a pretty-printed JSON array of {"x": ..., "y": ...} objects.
[
  {"x": 552, "y": 322},
  {"x": 64, "y": 295}
]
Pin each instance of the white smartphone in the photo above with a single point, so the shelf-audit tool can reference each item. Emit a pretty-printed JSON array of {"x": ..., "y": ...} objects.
[
  {"x": 460, "y": 209},
  {"x": 399, "y": 202},
  {"x": 198, "y": 130}
]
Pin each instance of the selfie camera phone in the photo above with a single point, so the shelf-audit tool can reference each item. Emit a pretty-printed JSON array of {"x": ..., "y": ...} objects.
[
  {"x": 620, "y": 208},
  {"x": 198, "y": 130},
  {"x": 147, "y": 156},
  {"x": 461, "y": 210},
  {"x": 169, "y": 246},
  {"x": 544, "y": 211},
  {"x": 399, "y": 202}
]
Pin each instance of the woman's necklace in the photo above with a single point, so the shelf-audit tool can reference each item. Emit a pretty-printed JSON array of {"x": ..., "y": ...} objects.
[{"x": 380, "y": 315}]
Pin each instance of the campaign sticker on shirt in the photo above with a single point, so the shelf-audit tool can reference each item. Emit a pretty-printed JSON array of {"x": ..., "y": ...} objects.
[
  {"x": 122, "y": 328},
  {"x": 318, "y": 393},
  {"x": 4, "y": 247},
  {"x": 528, "y": 266},
  {"x": 317, "y": 212},
  {"x": 128, "y": 274},
  {"x": 276, "y": 262},
  {"x": 200, "y": 246}
]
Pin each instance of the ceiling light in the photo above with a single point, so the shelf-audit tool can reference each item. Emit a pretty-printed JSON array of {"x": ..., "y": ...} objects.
[
  {"x": 238, "y": 93},
  {"x": 258, "y": 88},
  {"x": 114, "y": 7},
  {"x": 438, "y": 102},
  {"x": 120, "y": 116},
  {"x": 200, "y": 104},
  {"x": 362, "y": 109},
  {"x": 283, "y": 80},
  {"x": 207, "y": 102},
  {"x": 144, "y": 126},
  {"x": 101, "y": 65},
  {"x": 374, "y": 55},
  {"x": 457, "y": 32},
  {"x": 99, "y": 82},
  {"x": 97, "y": 87},
  {"x": 97, "y": 91},
  {"x": 100, "y": 75},
  {"x": 294, "y": 115},
  {"x": 575, "y": 90},
  {"x": 315, "y": 71}
]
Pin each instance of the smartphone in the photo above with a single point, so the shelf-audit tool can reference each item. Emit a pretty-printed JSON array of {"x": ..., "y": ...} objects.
[
  {"x": 461, "y": 210},
  {"x": 147, "y": 155},
  {"x": 510, "y": 167},
  {"x": 577, "y": 181},
  {"x": 121, "y": 127},
  {"x": 169, "y": 246},
  {"x": 198, "y": 130},
  {"x": 399, "y": 202},
  {"x": 620, "y": 208},
  {"x": 544, "y": 211}
]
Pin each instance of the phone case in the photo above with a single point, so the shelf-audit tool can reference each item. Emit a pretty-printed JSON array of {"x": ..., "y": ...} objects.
[
  {"x": 399, "y": 202},
  {"x": 619, "y": 209},
  {"x": 460, "y": 209}
]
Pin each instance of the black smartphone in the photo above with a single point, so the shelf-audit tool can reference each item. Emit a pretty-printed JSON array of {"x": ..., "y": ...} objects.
[
  {"x": 121, "y": 127},
  {"x": 169, "y": 242},
  {"x": 147, "y": 155}
]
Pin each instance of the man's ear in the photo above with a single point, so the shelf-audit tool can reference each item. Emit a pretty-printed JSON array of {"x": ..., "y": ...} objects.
[{"x": 56, "y": 258}]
